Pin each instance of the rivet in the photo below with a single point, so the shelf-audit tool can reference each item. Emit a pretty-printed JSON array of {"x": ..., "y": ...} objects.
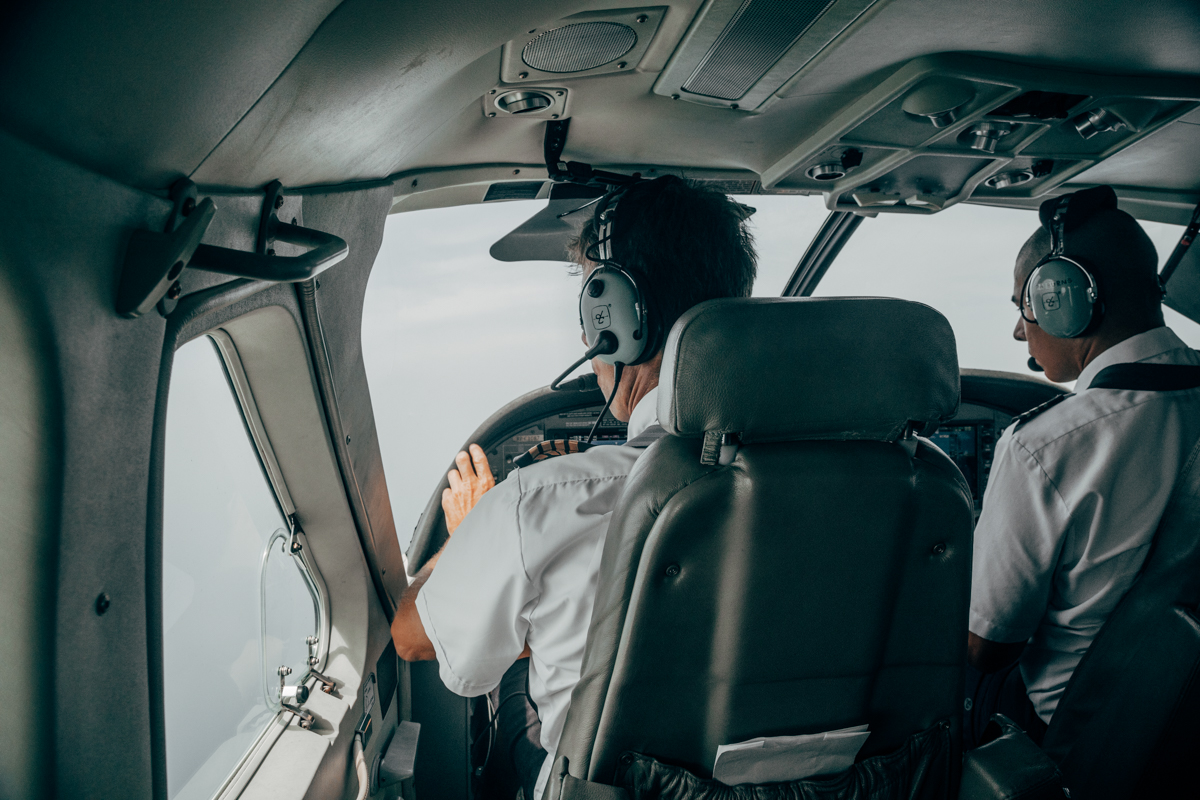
[
  {"x": 672, "y": 570},
  {"x": 523, "y": 75},
  {"x": 279, "y": 201},
  {"x": 102, "y": 604},
  {"x": 939, "y": 548},
  {"x": 642, "y": 18},
  {"x": 174, "y": 290}
]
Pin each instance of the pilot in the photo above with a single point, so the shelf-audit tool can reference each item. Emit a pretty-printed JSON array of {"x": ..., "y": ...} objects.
[
  {"x": 518, "y": 575},
  {"x": 1078, "y": 484}
]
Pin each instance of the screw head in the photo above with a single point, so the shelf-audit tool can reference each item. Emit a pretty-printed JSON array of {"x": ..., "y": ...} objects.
[
  {"x": 642, "y": 18},
  {"x": 621, "y": 65},
  {"x": 734, "y": 106},
  {"x": 672, "y": 570},
  {"x": 516, "y": 172},
  {"x": 674, "y": 97},
  {"x": 523, "y": 75},
  {"x": 279, "y": 201},
  {"x": 414, "y": 183},
  {"x": 284, "y": 671},
  {"x": 559, "y": 93},
  {"x": 554, "y": 116},
  {"x": 174, "y": 290},
  {"x": 939, "y": 548},
  {"x": 491, "y": 91},
  {"x": 189, "y": 205},
  {"x": 103, "y": 602},
  {"x": 270, "y": 251},
  {"x": 491, "y": 113},
  {"x": 311, "y": 640}
]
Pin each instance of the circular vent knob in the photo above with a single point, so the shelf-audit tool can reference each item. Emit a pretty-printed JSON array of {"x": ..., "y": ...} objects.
[{"x": 523, "y": 102}]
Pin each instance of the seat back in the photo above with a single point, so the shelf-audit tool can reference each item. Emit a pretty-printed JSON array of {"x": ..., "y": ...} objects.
[
  {"x": 820, "y": 578},
  {"x": 1126, "y": 725}
]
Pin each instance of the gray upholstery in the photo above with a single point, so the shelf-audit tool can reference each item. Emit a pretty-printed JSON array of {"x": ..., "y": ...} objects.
[
  {"x": 1126, "y": 725},
  {"x": 808, "y": 585},
  {"x": 858, "y": 368}
]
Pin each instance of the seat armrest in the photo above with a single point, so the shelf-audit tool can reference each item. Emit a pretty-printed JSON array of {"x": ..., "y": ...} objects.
[{"x": 1008, "y": 767}]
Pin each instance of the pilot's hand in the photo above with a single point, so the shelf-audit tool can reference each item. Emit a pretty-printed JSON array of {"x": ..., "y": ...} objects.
[{"x": 468, "y": 482}]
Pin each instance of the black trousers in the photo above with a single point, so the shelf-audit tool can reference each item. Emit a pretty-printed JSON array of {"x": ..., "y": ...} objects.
[
  {"x": 517, "y": 754},
  {"x": 1000, "y": 692}
]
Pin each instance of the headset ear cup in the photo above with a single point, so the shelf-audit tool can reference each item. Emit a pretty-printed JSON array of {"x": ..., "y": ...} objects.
[
  {"x": 1063, "y": 298},
  {"x": 610, "y": 300}
]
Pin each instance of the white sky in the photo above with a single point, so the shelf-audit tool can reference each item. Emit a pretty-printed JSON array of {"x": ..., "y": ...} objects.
[{"x": 450, "y": 335}]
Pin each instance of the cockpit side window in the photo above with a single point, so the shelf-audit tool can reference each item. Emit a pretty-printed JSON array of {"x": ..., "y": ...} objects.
[{"x": 236, "y": 604}]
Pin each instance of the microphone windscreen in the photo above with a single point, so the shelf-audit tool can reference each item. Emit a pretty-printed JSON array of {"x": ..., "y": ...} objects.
[{"x": 1033, "y": 365}]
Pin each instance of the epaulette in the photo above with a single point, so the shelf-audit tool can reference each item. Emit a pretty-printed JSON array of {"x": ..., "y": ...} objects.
[
  {"x": 549, "y": 449},
  {"x": 1019, "y": 419}
]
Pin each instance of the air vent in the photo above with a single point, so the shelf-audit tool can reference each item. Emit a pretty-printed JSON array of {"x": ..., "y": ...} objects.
[
  {"x": 513, "y": 190},
  {"x": 758, "y": 35},
  {"x": 579, "y": 47},
  {"x": 524, "y": 102}
]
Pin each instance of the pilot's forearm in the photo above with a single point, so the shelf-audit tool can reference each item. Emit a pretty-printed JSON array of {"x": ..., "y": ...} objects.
[{"x": 408, "y": 633}]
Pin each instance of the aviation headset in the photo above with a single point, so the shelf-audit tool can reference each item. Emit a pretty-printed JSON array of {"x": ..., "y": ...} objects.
[
  {"x": 612, "y": 301},
  {"x": 1061, "y": 292}
]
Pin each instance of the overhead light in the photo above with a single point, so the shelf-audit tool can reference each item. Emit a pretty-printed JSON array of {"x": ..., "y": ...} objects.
[
  {"x": 938, "y": 100},
  {"x": 983, "y": 136},
  {"x": 1098, "y": 120},
  {"x": 1003, "y": 180},
  {"x": 829, "y": 171}
]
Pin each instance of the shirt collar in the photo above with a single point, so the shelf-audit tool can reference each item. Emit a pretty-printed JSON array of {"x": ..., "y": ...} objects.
[
  {"x": 1141, "y": 347},
  {"x": 644, "y": 414}
]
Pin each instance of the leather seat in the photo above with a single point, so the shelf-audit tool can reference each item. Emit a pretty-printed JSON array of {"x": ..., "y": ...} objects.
[{"x": 819, "y": 579}]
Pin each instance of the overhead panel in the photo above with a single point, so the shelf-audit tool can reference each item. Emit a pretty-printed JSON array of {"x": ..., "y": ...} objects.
[
  {"x": 738, "y": 53},
  {"x": 945, "y": 128}
]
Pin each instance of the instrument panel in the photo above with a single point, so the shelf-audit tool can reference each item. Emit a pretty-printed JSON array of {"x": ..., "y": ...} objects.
[
  {"x": 970, "y": 441},
  {"x": 573, "y": 424}
]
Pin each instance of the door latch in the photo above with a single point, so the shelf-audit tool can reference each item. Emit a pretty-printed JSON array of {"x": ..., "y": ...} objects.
[{"x": 292, "y": 697}]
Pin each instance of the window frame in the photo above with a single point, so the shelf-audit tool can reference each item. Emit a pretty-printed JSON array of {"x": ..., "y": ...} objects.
[{"x": 238, "y": 383}]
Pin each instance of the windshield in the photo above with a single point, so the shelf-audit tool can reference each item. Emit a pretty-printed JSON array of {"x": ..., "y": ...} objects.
[
  {"x": 960, "y": 261},
  {"x": 450, "y": 334}
]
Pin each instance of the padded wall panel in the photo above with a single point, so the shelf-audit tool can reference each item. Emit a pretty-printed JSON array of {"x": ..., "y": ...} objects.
[
  {"x": 142, "y": 91},
  {"x": 30, "y": 475},
  {"x": 65, "y": 230}
]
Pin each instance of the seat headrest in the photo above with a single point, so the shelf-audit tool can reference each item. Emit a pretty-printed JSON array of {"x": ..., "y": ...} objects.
[{"x": 780, "y": 369}]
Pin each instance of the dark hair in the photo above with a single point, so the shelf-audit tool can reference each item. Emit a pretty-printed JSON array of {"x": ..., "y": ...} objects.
[{"x": 685, "y": 242}]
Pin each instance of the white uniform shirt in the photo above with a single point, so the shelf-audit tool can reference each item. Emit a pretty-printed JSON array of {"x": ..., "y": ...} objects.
[
  {"x": 521, "y": 568},
  {"x": 1071, "y": 507}
]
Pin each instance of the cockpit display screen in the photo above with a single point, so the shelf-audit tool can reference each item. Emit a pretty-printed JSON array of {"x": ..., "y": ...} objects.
[{"x": 965, "y": 444}]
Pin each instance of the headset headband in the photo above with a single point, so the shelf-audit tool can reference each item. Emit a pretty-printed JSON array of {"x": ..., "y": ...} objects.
[{"x": 1058, "y": 239}]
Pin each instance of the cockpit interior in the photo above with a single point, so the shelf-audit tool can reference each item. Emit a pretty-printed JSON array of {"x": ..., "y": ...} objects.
[{"x": 266, "y": 268}]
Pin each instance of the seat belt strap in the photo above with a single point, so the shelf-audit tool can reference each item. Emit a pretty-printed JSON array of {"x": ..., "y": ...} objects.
[
  {"x": 647, "y": 437},
  {"x": 1148, "y": 377}
]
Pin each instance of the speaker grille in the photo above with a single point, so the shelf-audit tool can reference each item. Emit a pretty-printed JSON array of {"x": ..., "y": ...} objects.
[
  {"x": 755, "y": 38},
  {"x": 579, "y": 47}
]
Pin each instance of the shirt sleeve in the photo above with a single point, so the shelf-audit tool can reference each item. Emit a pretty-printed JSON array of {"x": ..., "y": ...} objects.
[
  {"x": 1017, "y": 543},
  {"x": 474, "y": 606}
]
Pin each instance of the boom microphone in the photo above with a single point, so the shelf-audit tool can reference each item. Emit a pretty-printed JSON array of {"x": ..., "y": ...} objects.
[{"x": 1033, "y": 365}]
